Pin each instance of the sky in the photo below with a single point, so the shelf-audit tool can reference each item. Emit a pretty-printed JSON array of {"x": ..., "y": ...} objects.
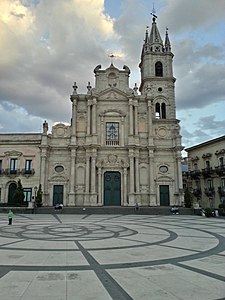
[{"x": 47, "y": 45}]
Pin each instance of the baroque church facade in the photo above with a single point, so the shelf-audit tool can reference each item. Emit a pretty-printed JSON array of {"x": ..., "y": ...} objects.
[{"x": 122, "y": 146}]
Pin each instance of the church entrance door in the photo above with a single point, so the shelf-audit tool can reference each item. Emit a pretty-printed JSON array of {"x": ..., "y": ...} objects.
[
  {"x": 112, "y": 189},
  {"x": 57, "y": 194},
  {"x": 164, "y": 195}
]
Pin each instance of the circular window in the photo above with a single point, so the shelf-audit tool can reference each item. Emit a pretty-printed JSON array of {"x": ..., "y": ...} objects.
[
  {"x": 163, "y": 169},
  {"x": 59, "y": 169},
  {"x": 160, "y": 89}
]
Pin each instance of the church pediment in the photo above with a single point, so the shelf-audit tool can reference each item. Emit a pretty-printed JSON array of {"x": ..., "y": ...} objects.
[{"x": 112, "y": 94}]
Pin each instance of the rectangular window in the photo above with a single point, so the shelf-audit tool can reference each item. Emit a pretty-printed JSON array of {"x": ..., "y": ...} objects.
[
  {"x": 13, "y": 165},
  {"x": 210, "y": 184},
  {"x": 112, "y": 133},
  {"x": 27, "y": 194},
  {"x": 28, "y": 166},
  {"x": 221, "y": 162},
  {"x": 207, "y": 164}
]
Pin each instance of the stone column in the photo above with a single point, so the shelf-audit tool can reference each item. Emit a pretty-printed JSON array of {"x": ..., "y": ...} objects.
[
  {"x": 131, "y": 157},
  {"x": 102, "y": 130},
  {"x": 135, "y": 120},
  {"x": 137, "y": 172},
  {"x": 125, "y": 186},
  {"x": 122, "y": 132},
  {"x": 150, "y": 136},
  {"x": 94, "y": 116},
  {"x": 87, "y": 175},
  {"x": 99, "y": 186},
  {"x": 152, "y": 192},
  {"x": 43, "y": 169},
  {"x": 88, "y": 118},
  {"x": 74, "y": 120},
  {"x": 93, "y": 174},
  {"x": 131, "y": 117},
  {"x": 72, "y": 170}
]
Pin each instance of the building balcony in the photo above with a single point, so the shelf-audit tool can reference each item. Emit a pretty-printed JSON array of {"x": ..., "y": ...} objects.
[
  {"x": 207, "y": 172},
  {"x": 27, "y": 172},
  {"x": 195, "y": 173},
  {"x": 13, "y": 172},
  {"x": 220, "y": 170},
  {"x": 210, "y": 192},
  {"x": 197, "y": 192},
  {"x": 221, "y": 190}
]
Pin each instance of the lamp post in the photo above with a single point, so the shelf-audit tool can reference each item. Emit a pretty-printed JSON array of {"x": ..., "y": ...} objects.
[{"x": 35, "y": 195}]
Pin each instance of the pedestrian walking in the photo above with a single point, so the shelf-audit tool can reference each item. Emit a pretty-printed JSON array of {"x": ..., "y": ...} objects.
[{"x": 10, "y": 217}]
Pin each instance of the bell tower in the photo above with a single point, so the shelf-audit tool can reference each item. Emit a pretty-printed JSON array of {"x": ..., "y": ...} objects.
[{"x": 157, "y": 70}]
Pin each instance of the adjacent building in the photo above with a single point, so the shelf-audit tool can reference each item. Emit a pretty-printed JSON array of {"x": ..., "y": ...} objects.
[
  {"x": 206, "y": 172},
  {"x": 123, "y": 144}
]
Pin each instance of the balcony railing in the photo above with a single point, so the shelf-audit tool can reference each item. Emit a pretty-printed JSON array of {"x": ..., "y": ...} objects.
[
  {"x": 27, "y": 172},
  {"x": 220, "y": 170},
  {"x": 195, "y": 173},
  {"x": 9, "y": 172},
  {"x": 207, "y": 172},
  {"x": 221, "y": 190},
  {"x": 197, "y": 192},
  {"x": 210, "y": 192},
  {"x": 112, "y": 143}
]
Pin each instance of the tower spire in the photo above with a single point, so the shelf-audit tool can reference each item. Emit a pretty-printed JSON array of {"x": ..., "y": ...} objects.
[{"x": 167, "y": 42}]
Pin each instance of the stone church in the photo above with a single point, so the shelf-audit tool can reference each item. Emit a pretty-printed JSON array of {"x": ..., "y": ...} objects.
[{"x": 123, "y": 146}]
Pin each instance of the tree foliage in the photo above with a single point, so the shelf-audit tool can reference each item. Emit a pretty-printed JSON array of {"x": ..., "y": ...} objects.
[
  {"x": 188, "y": 198},
  {"x": 38, "y": 199},
  {"x": 18, "y": 196}
]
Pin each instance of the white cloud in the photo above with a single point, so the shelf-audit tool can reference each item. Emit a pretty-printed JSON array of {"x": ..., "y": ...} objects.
[{"x": 47, "y": 45}]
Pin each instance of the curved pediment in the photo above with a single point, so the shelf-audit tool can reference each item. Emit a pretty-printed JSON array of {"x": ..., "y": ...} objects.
[{"x": 113, "y": 112}]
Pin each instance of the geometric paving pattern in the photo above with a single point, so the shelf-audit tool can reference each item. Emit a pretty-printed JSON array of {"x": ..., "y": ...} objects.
[{"x": 112, "y": 257}]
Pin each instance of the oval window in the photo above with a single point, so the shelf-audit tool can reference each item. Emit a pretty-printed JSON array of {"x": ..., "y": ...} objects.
[
  {"x": 163, "y": 169},
  {"x": 59, "y": 169}
]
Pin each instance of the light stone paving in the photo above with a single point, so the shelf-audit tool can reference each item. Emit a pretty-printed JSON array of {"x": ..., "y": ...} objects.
[{"x": 101, "y": 257}]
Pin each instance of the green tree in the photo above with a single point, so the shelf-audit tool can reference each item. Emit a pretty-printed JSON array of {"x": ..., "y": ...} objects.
[
  {"x": 18, "y": 196},
  {"x": 188, "y": 198},
  {"x": 38, "y": 199}
]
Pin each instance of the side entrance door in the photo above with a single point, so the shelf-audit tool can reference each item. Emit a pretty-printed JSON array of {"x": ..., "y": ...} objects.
[
  {"x": 164, "y": 195},
  {"x": 112, "y": 188},
  {"x": 57, "y": 194}
]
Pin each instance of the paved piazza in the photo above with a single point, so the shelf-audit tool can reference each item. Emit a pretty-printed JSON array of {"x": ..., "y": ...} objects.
[{"x": 117, "y": 257}]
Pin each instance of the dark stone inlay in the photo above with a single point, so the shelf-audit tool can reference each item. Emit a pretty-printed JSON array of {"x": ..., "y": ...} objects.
[
  {"x": 202, "y": 272},
  {"x": 113, "y": 288}
]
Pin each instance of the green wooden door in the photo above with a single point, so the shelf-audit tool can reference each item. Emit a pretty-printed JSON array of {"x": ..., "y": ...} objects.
[
  {"x": 164, "y": 195},
  {"x": 57, "y": 194},
  {"x": 112, "y": 188}
]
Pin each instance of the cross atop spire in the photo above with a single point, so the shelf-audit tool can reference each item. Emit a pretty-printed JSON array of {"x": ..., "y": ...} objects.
[
  {"x": 112, "y": 56},
  {"x": 153, "y": 13}
]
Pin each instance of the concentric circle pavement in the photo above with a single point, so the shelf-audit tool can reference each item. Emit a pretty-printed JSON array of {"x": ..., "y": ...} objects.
[{"x": 112, "y": 257}]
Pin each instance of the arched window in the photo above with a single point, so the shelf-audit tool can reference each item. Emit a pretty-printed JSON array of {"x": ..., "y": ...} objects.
[
  {"x": 159, "y": 69},
  {"x": 160, "y": 110},
  {"x": 157, "y": 110},
  {"x": 163, "y": 109}
]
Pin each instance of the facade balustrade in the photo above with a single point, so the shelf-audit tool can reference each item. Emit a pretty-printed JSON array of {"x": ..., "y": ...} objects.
[
  {"x": 210, "y": 192},
  {"x": 207, "y": 172},
  {"x": 221, "y": 190},
  {"x": 195, "y": 173},
  {"x": 220, "y": 170},
  {"x": 197, "y": 192},
  {"x": 27, "y": 172}
]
